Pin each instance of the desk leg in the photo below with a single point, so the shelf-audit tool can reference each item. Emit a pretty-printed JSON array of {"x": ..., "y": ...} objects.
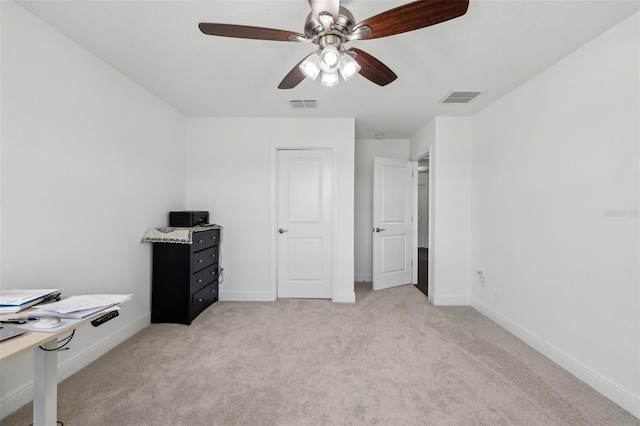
[{"x": 45, "y": 400}]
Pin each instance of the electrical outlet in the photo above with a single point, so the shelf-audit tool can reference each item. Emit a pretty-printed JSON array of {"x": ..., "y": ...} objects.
[{"x": 480, "y": 275}]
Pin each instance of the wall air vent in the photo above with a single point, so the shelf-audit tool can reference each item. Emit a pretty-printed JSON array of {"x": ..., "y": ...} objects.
[
  {"x": 460, "y": 96},
  {"x": 306, "y": 103}
]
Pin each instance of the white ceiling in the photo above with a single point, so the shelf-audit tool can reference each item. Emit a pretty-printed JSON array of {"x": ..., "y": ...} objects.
[{"x": 495, "y": 47}]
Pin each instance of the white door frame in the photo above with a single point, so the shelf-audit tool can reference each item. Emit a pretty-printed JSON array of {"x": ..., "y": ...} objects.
[
  {"x": 431, "y": 264},
  {"x": 273, "y": 230},
  {"x": 414, "y": 254},
  {"x": 423, "y": 197}
]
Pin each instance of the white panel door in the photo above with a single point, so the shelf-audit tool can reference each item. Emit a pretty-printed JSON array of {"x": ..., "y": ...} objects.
[
  {"x": 304, "y": 223},
  {"x": 392, "y": 222}
]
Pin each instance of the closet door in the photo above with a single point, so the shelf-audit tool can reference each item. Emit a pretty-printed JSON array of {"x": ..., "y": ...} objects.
[{"x": 305, "y": 223}]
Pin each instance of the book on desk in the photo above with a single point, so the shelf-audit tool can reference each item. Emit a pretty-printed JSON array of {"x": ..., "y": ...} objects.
[{"x": 16, "y": 300}]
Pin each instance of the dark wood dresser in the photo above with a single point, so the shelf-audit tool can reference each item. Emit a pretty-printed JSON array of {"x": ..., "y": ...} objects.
[{"x": 185, "y": 276}]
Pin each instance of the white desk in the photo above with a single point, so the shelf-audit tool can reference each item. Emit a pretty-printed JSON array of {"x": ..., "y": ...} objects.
[{"x": 45, "y": 378}]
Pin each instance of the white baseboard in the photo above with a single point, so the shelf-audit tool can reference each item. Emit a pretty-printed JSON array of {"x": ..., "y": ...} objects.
[
  {"x": 264, "y": 296},
  {"x": 245, "y": 296},
  {"x": 451, "y": 300},
  {"x": 582, "y": 372},
  {"x": 345, "y": 297},
  {"x": 24, "y": 395}
]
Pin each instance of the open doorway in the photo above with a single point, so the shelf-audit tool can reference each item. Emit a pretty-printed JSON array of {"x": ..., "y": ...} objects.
[{"x": 423, "y": 225}]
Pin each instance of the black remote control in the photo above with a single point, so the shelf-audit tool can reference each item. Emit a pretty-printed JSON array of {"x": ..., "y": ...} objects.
[{"x": 106, "y": 317}]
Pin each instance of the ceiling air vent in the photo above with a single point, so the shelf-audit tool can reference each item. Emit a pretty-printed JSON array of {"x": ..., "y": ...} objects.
[
  {"x": 460, "y": 96},
  {"x": 306, "y": 103}
]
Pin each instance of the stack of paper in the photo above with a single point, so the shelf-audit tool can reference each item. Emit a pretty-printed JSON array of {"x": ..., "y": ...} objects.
[
  {"x": 15, "y": 300},
  {"x": 81, "y": 306}
]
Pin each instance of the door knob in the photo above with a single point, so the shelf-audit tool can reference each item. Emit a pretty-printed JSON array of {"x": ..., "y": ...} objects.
[
  {"x": 380, "y": 229},
  {"x": 282, "y": 231}
]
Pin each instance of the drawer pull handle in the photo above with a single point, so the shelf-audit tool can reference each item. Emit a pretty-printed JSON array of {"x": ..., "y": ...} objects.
[
  {"x": 199, "y": 300},
  {"x": 199, "y": 260},
  {"x": 200, "y": 241},
  {"x": 199, "y": 281},
  {"x": 213, "y": 291}
]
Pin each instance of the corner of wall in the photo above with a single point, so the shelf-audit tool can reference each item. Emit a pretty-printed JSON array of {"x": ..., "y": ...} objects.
[{"x": 345, "y": 297}]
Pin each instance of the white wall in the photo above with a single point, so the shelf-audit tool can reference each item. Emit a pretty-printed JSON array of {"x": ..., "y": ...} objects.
[
  {"x": 366, "y": 150},
  {"x": 554, "y": 203},
  {"x": 452, "y": 209},
  {"x": 447, "y": 140},
  {"x": 230, "y": 174},
  {"x": 90, "y": 161}
]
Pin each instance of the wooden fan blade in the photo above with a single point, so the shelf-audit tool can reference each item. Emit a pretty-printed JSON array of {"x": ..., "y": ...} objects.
[
  {"x": 243, "y": 31},
  {"x": 372, "y": 69},
  {"x": 294, "y": 77},
  {"x": 413, "y": 16},
  {"x": 331, "y": 6}
]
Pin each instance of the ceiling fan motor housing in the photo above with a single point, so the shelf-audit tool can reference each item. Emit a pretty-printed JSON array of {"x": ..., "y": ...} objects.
[
  {"x": 330, "y": 40},
  {"x": 340, "y": 29}
]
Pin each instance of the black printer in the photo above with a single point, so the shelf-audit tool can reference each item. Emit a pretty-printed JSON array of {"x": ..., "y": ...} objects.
[{"x": 188, "y": 218}]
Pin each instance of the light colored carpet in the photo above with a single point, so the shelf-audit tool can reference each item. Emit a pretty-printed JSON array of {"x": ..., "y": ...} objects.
[{"x": 390, "y": 359}]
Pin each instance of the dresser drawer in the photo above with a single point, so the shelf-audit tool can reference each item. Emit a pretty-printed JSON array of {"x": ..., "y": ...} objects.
[
  {"x": 204, "y": 239},
  {"x": 204, "y": 277},
  {"x": 204, "y": 298},
  {"x": 204, "y": 258}
]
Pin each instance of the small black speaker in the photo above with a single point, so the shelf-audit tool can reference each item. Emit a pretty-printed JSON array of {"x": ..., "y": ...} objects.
[{"x": 188, "y": 218}]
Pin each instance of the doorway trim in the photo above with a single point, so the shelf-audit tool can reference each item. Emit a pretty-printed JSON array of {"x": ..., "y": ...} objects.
[
  {"x": 273, "y": 233},
  {"x": 428, "y": 155}
]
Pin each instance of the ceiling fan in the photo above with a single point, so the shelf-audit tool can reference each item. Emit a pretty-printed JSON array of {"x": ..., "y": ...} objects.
[{"x": 330, "y": 26}]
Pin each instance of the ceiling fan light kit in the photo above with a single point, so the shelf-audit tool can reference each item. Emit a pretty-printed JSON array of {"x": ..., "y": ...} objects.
[
  {"x": 329, "y": 62},
  {"x": 330, "y": 26},
  {"x": 310, "y": 67},
  {"x": 330, "y": 79},
  {"x": 348, "y": 67},
  {"x": 329, "y": 58}
]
